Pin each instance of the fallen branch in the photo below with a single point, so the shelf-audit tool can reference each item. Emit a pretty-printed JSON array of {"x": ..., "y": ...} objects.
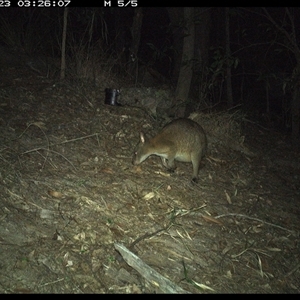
[
  {"x": 60, "y": 143},
  {"x": 164, "y": 284}
]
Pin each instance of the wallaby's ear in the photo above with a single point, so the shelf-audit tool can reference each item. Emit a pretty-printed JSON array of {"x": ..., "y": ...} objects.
[{"x": 142, "y": 137}]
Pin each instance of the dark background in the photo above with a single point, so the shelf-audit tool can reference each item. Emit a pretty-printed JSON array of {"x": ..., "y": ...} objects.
[{"x": 263, "y": 73}]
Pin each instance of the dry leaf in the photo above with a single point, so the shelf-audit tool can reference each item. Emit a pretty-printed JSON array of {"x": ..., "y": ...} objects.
[
  {"x": 107, "y": 171},
  {"x": 274, "y": 249},
  {"x": 162, "y": 173},
  {"x": 151, "y": 216},
  {"x": 149, "y": 196},
  {"x": 202, "y": 286},
  {"x": 55, "y": 194},
  {"x": 212, "y": 220},
  {"x": 256, "y": 229},
  {"x": 39, "y": 124},
  {"x": 137, "y": 169},
  {"x": 229, "y": 274},
  {"x": 217, "y": 160},
  {"x": 227, "y": 197}
]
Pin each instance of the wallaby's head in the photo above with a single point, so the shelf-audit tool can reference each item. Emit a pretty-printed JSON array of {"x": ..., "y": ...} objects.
[{"x": 141, "y": 151}]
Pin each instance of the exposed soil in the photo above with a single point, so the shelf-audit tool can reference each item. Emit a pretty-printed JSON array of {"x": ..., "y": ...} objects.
[{"x": 69, "y": 192}]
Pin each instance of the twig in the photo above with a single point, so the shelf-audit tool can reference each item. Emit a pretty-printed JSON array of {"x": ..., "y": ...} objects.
[
  {"x": 255, "y": 123},
  {"x": 175, "y": 213},
  {"x": 255, "y": 219},
  {"x": 41, "y": 148},
  {"x": 61, "y": 143},
  {"x": 293, "y": 270},
  {"x": 145, "y": 236},
  {"x": 52, "y": 282}
]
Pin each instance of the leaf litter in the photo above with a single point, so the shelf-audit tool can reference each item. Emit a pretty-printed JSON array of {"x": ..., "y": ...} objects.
[{"x": 70, "y": 195}]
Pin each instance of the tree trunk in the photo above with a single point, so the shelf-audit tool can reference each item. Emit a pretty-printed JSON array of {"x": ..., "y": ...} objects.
[
  {"x": 176, "y": 17},
  {"x": 186, "y": 68},
  {"x": 228, "y": 60},
  {"x": 292, "y": 44},
  {"x": 136, "y": 36},
  {"x": 63, "y": 46},
  {"x": 198, "y": 91}
]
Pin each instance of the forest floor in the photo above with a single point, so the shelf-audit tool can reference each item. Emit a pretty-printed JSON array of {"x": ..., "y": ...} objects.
[{"x": 70, "y": 198}]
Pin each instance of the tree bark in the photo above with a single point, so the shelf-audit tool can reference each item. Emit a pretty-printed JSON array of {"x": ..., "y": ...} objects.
[
  {"x": 136, "y": 36},
  {"x": 63, "y": 46},
  {"x": 228, "y": 60},
  {"x": 295, "y": 108},
  {"x": 176, "y": 18},
  {"x": 198, "y": 91},
  {"x": 291, "y": 42},
  {"x": 186, "y": 68}
]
